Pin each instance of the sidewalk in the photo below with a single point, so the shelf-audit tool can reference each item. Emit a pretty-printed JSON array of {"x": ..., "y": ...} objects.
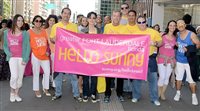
[{"x": 67, "y": 103}]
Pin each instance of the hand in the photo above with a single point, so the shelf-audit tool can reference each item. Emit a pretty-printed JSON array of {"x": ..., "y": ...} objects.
[
  {"x": 152, "y": 43},
  {"x": 185, "y": 49},
  {"x": 23, "y": 63},
  {"x": 47, "y": 53},
  {"x": 52, "y": 40}
]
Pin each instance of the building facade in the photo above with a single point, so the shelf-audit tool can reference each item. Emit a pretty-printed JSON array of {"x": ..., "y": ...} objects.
[
  {"x": 6, "y": 8},
  {"x": 105, "y": 7},
  {"x": 171, "y": 9},
  {"x": 56, "y": 6}
]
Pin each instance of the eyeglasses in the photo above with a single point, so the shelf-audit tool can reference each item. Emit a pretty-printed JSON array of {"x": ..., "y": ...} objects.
[
  {"x": 122, "y": 8},
  {"x": 141, "y": 22},
  {"x": 38, "y": 21}
]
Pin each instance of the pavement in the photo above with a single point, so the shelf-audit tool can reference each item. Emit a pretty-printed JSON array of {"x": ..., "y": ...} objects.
[{"x": 67, "y": 103}]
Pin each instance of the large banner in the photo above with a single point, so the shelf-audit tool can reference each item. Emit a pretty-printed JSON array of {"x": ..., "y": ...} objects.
[{"x": 121, "y": 56}]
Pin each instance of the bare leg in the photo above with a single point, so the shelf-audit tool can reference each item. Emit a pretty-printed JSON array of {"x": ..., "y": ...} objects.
[
  {"x": 193, "y": 87},
  {"x": 178, "y": 85},
  {"x": 80, "y": 84}
]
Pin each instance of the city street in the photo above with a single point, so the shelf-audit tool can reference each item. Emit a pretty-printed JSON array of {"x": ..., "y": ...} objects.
[{"x": 67, "y": 103}]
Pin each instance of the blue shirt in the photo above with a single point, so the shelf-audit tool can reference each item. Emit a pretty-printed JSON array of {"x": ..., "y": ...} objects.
[{"x": 180, "y": 53}]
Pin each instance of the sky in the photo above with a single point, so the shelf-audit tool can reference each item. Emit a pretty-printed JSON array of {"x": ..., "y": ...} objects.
[{"x": 81, "y": 6}]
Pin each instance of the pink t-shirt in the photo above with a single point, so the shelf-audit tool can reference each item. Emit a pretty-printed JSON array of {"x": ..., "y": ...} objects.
[
  {"x": 15, "y": 44},
  {"x": 166, "y": 49}
]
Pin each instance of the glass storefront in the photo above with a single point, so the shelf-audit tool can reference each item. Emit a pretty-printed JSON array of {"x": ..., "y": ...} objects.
[{"x": 177, "y": 11}]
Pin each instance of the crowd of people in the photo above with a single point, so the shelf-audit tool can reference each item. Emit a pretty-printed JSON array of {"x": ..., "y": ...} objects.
[{"x": 174, "y": 51}]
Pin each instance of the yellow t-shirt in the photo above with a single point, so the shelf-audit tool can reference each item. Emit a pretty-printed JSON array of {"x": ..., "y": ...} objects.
[
  {"x": 111, "y": 29},
  {"x": 154, "y": 36},
  {"x": 70, "y": 26},
  {"x": 131, "y": 29}
]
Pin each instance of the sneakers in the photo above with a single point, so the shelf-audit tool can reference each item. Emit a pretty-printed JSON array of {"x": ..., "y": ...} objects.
[
  {"x": 157, "y": 103},
  {"x": 177, "y": 97},
  {"x": 78, "y": 98},
  {"x": 134, "y": 100},
  {"x": 85, "y": 99},
  {"x": 56, "y": 97},
  {"x": 93, "y": 99},
  {"x": 121, "y": 99},
  {"x": 106, "y": 99},
  {"x": 194, "y": 99},
  {"x": 18, "y": 99},
  {"x": 12, "y": 97}
]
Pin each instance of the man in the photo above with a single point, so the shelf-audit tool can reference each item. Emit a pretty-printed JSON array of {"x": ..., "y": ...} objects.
[
  {"x": 114, "y": 28},
  {"x": 124, "y": 21},
  {"x": 155, "y": 41},
  {"x": 185, "y": 38},
  {"x": 124, "y": 11},
  {"x": 131, "y": 28},
  {"x": 64, "y": 23},
  {"x": 187, "y": 19}
]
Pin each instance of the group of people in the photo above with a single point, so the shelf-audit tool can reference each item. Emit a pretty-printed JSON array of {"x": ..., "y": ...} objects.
[{"x": 169, "y": 51}]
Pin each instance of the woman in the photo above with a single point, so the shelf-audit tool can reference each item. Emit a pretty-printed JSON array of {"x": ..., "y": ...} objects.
[
  {"x": 91, "y": 17},
  {"x": 39, "y": 56},
  {"x": 50, "y": 21},
  {"x": 17, "y": 49},
  {"x": 83, "y": 27},
  {"x": 166, "y": 58},
  {"x": 156, "y": 27}
]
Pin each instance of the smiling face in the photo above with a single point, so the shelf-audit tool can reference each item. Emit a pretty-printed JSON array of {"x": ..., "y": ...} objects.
[
  {"x": 107, "y": 20},
  {"x": 131, "y": 17},
  {"x": 99, "y": 20},
  {"x": 84, "y": 22},
  {"x": 116, "y": 17},
  {"x": 51, "y": 21},
  {"x": 20, "y": 22},
  {"x": 92, "y": 19},
  {"x": 66, "y": 14},
  {"x": 141, "y": 22},
  {"x": 38, "y": 22},
  {"x": 124, "y": 9},
  {"x": 181, "y": 25},
  {"x": 172, "y": 26}
]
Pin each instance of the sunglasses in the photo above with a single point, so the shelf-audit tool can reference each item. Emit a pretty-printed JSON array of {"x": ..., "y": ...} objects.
[
  {"x": 38, "y": 21},
  {"x": 141, "y": 22},
  {"x": 122, "y": 8}
]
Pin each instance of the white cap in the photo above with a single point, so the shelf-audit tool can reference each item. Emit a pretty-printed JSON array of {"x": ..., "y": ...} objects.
[{"x": 197, "y": 28}]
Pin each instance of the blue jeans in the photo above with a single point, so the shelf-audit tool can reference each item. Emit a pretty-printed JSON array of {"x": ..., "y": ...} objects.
[
  {"x": 153, "y": 87},
  {"x": 127, "y": 85},
  {"x": 136, "y": 88},
  {"x": 74, "y": 81},
  {"x": 89, "y": 88}
]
